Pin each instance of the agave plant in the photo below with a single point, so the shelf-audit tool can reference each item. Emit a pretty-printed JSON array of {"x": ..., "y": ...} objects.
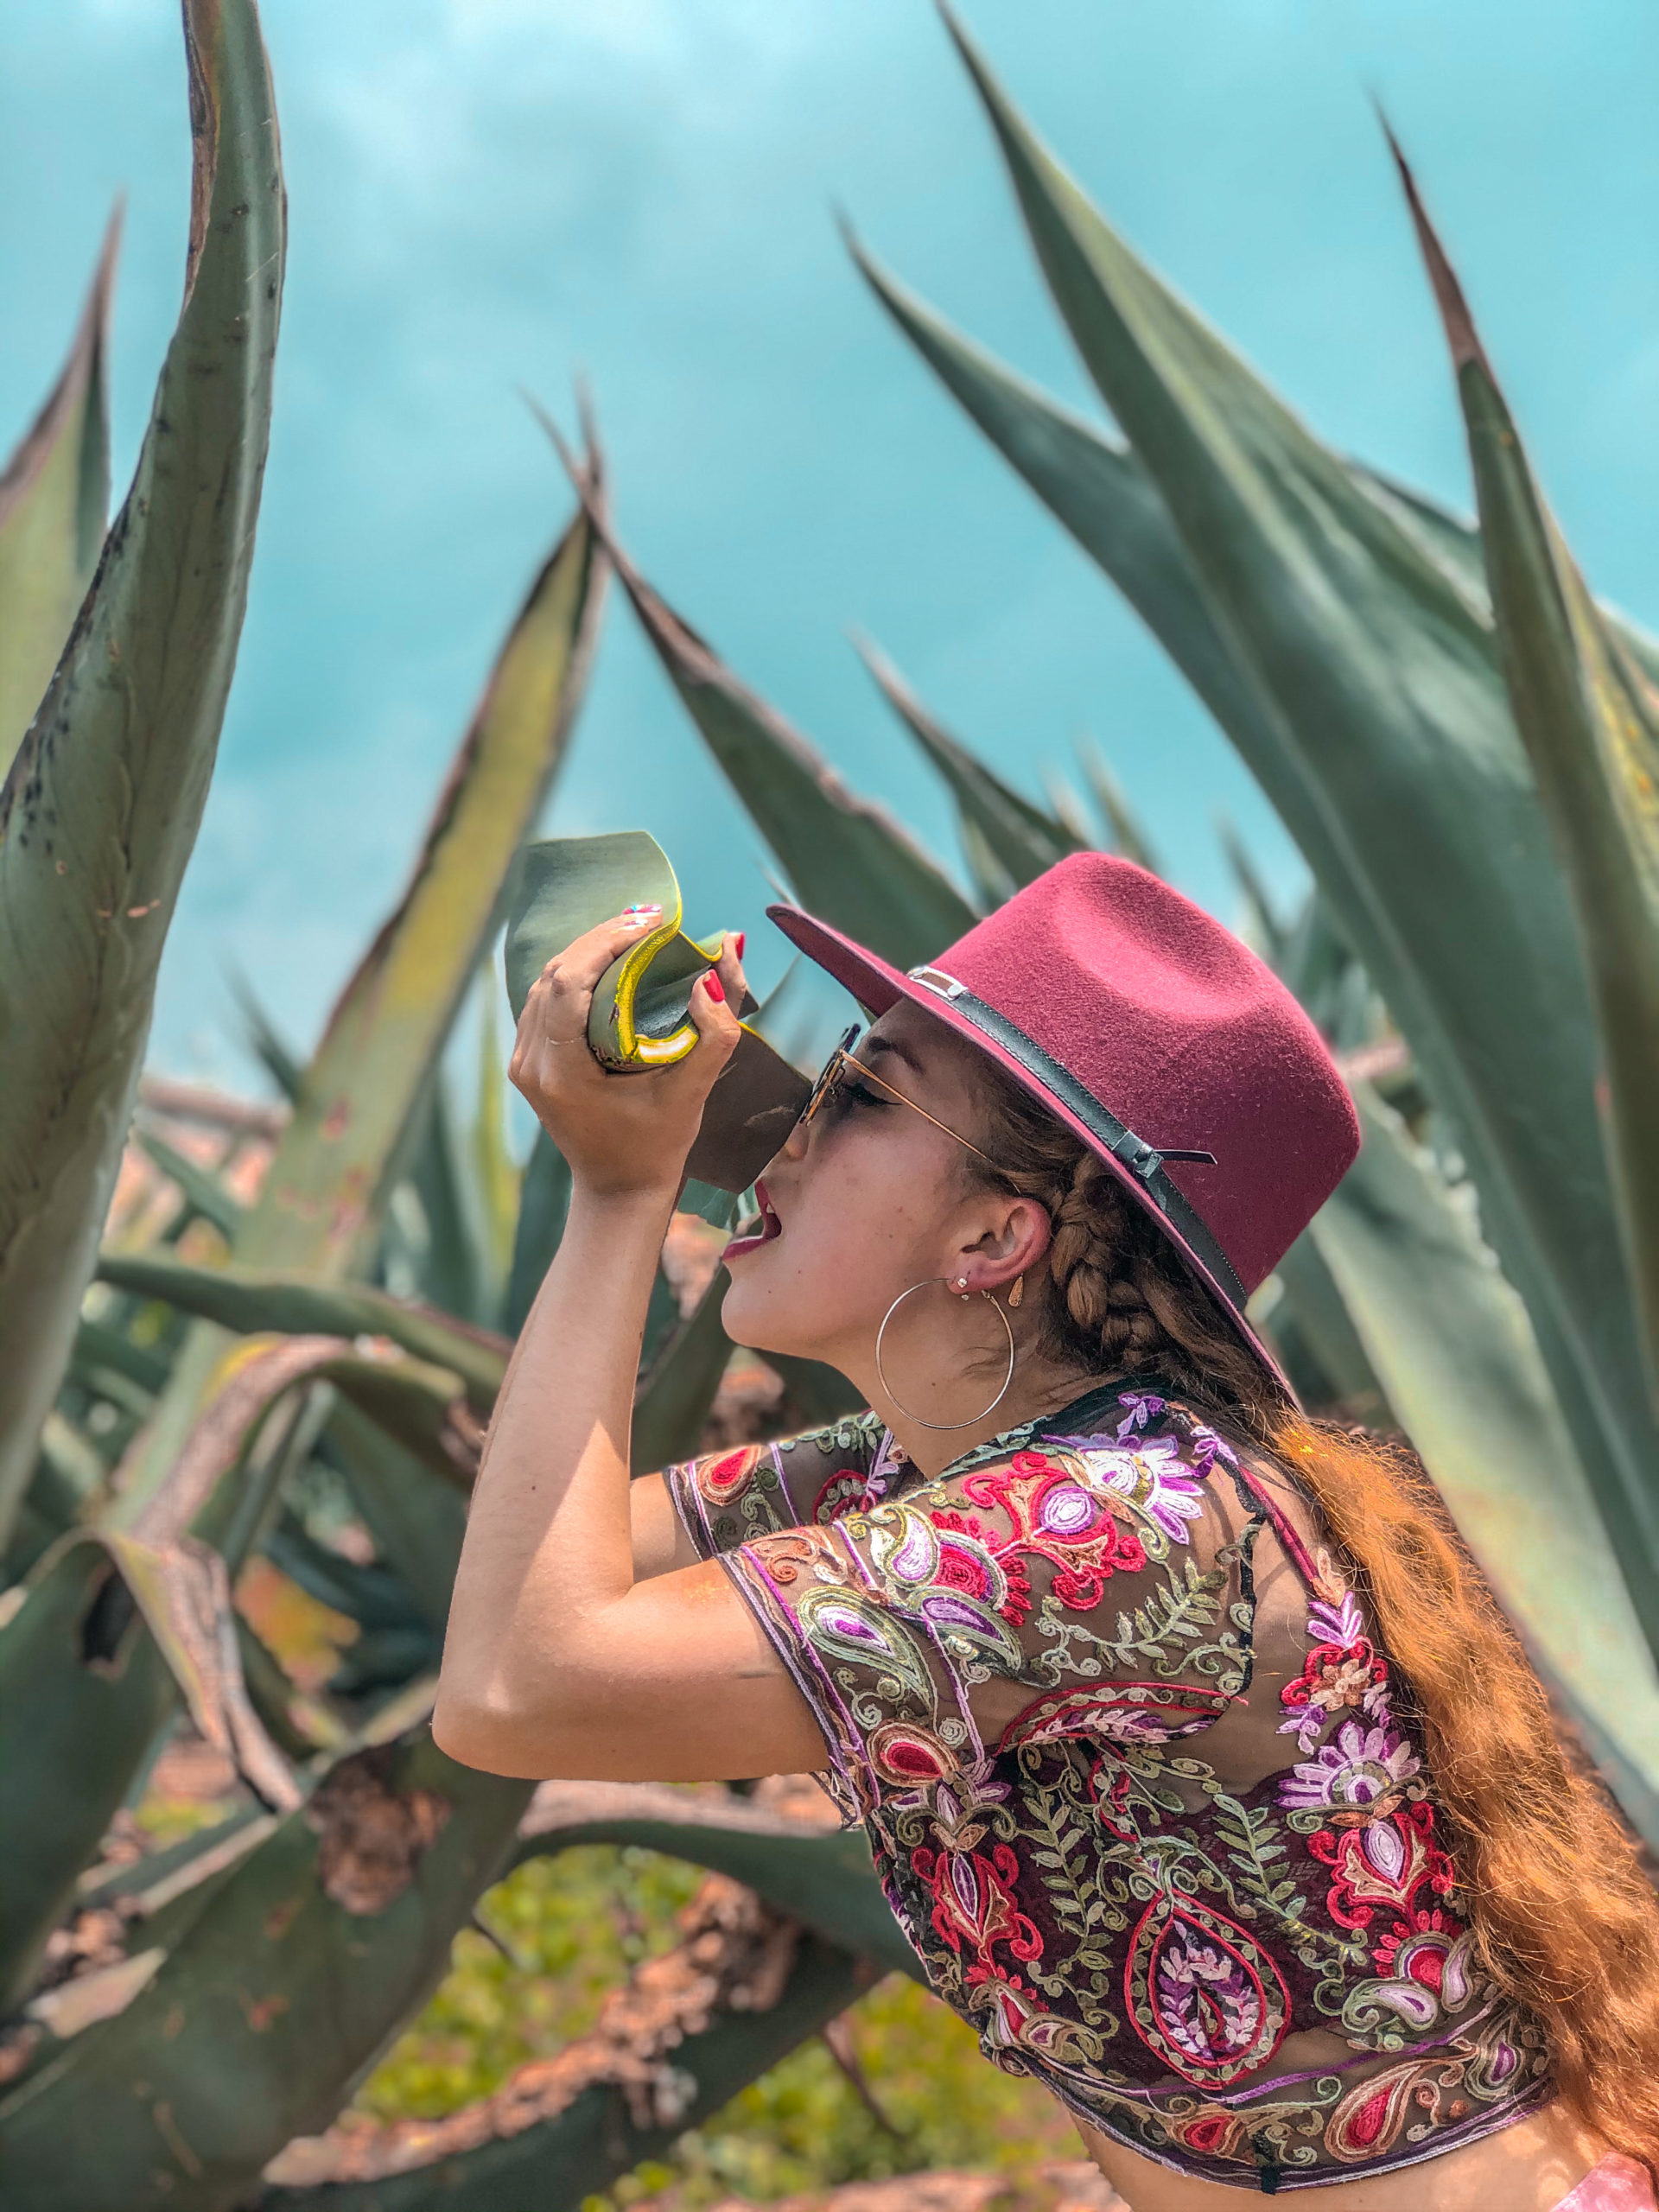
[{"x": 1462, "y": 744}]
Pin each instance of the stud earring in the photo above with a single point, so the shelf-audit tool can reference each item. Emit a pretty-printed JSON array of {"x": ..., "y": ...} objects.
[
  {"x": 1018, "y": 1291},
  {"x": 961, "y": 1285}
]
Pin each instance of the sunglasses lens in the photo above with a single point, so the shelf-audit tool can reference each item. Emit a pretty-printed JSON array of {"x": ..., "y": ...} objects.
[{"x": 829, "y": 1077}]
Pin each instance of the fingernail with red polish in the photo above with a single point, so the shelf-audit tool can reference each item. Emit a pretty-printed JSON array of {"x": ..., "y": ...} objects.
[
  {"x": 715, "y": 989},
  {"x": 741, "y": 941}
]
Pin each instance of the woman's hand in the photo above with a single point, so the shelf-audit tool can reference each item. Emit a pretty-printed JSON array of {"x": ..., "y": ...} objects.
[{"x": 621, "y": 1133}]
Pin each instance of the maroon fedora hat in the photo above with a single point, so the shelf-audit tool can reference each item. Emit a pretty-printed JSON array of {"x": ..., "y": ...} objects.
[{"x": 1157, "y": 1037}]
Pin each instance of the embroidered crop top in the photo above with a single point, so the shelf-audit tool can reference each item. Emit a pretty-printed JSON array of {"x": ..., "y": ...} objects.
[{"x": 1135, "y": 1783}]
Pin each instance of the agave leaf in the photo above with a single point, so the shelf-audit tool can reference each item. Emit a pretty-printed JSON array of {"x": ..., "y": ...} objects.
[
  {"x": 450, "y": 1269},
  {"x": 1314, "y": 1307},
  {"x": 149, "y": 1606},
  {"x": 98, "y": 813},
  {"x": 1590, "y": 720},
  {"x": 419, "y": 1407},
  {"x": 417, "y": 1517},
  {"x": 495, "y": 1172},
  {"x": 1272, "y": 938},
  {"x": 1376, "y": 719},
  {"x": 54, "y": 497},
  {"x": 990, "y": 881},
  {"x": 202, "y": 1191},
  {"x": 371, "y": 1596},
  {"x": 674, "y": 1396},
  {"x": 468, "y": 1185},
  {"x": 544, "y": 1203},
  {"x": 821, "y": 1876},
  {"x": 1452, "y": 1343},
  {"x": 300, "y": 1723},
  {"x": 849, "y": 861},
  {"x": 1099, "y": 492},
  {"x": 212, "y": 1492},
  {"x": 372, "y": 1067},
  {"x": 255, "y": 1301},
  {"x": 320, "y": 1205},
  {"x": 101, "y": 1350},
  {"x": 580, "y": 2150},
  {"x": 1110, "y": 799},
  {"x": 60, "y": 1684},
  {"x": 280, "y": 1992},
  {"x": 281, "y": 1063},
  {"x": 174, "y": 1867},
  {"x": 108, "y": 1626},
  {"x": 74, "y": 1471},
  {"x": 1023, "y": 838},
  {"x": 321, "y": 1197},
  {"x": 1455, "y": 542}
]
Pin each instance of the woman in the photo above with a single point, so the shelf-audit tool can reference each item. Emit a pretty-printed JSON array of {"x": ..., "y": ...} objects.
[{"x": 1197, "y": 1763}]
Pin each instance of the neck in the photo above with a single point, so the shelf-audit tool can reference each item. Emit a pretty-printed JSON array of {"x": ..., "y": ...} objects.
[{"x": 1031, "y": 1395}]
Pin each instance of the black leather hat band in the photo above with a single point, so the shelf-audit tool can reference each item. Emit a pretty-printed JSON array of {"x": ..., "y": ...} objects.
[{"x": 1143, "y": 1161}]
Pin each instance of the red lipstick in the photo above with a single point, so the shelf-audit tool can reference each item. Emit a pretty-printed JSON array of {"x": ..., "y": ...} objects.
[{"x": 754, "y": 1235}]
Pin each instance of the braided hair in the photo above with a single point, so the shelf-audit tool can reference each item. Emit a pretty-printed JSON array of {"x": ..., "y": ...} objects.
[
  {"x": 1121, "y": 1302},
  {"x": 1563, "y": 1912}
]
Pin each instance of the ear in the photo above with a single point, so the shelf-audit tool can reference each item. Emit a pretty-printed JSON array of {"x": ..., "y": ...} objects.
[{"x": 1014, "y": 1244}]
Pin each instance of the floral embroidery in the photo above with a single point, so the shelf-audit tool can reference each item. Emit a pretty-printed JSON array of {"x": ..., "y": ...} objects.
[
  {"x": 1137, "y": 1407},
  {"x": 846, "y": 1492},
  {"x": 1358, "y": 1777},
  {"x": 1014, "y": 1665},
  {"x": 1341, "y": 1671},
  {"x": 1154, "y": 1477},
  {"x": 1121, "y": 1713},
  {"x": 1204, "y": 1992},
  {"x": 1383, "y": 1866}
]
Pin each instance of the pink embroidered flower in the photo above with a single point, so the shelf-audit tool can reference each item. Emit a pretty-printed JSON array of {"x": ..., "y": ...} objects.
[
  {"x": 1357, "y": 1778},
  {"x": 1342, "y": 1673}
]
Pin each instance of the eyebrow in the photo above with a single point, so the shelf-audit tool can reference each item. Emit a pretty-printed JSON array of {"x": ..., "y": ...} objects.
[{"x": 875, "y": 1045}]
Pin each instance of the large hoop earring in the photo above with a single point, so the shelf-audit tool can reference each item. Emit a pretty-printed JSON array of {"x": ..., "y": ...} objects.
[{"x": 973, "y": 1419}]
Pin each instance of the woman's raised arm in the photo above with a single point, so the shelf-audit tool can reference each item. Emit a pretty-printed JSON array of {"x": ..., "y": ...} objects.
[{"x": 558, "y": 1659}]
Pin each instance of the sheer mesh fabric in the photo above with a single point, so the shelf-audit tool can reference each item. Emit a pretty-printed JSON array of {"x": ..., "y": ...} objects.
[{"x": 1137, "y": 1781}]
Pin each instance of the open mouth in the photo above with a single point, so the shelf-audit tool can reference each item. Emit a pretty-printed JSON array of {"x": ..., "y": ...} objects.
[{"x": 755, "y": 1232}]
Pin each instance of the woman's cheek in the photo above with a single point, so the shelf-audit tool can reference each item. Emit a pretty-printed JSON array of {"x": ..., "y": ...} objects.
[{"x": 823, "y": 1281}]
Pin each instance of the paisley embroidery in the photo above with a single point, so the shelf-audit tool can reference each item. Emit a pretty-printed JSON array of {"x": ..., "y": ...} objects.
[
  {"x": 722, "y": 1480},
  {"x": 1382, "y": 1866},
  {"x": 973, "y": 1908},
  {"x": 846, "y": 1492},
  {"x": 1203, "y": 1993},
  {"x": 844, "y": 1625},
  {"x": 1014, "y": 1665}
]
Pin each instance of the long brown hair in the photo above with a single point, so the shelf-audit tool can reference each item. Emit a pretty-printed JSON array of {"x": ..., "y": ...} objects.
[{"x": 1565, "y": 1918}]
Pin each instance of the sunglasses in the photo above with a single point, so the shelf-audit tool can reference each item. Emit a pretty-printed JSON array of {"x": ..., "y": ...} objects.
[{"x": 841, "y": 1067}]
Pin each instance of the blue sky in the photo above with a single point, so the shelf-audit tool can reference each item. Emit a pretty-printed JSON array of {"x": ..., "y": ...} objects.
[{"x": 486, "y": 192}]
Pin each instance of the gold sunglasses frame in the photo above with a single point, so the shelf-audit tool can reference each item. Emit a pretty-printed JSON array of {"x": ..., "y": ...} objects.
[{"x": 833, "y": 1073}]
